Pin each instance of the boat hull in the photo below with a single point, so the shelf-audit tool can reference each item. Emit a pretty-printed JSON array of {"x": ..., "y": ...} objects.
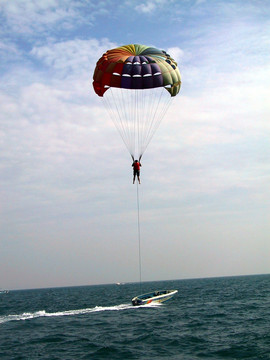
[{"x": 153, "y": 297}]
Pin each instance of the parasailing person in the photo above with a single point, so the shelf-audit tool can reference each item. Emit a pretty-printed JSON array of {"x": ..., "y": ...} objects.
[
  {"x": 137, "y": 84},
  {"x": 136, "y": 170}
]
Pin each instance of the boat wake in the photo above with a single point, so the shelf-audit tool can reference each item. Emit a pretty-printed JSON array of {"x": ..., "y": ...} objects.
[{"x": 43, "y": 313}]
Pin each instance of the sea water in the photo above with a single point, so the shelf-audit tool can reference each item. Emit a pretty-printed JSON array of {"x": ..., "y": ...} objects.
[{"x": 215, "y": 318}]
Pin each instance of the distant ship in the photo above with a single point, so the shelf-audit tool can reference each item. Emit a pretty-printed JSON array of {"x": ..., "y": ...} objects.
[{"x": 2, "y": 291}]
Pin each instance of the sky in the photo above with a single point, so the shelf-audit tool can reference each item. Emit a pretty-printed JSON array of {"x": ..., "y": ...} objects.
[{"x": 68, "y": 208}]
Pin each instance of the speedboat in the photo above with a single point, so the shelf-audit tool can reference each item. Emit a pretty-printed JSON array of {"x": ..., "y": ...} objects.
[{"x": 153, "y": 297}]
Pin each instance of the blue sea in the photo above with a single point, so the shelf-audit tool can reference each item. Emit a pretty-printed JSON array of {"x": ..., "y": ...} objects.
[{"x": 214, "y": 318}]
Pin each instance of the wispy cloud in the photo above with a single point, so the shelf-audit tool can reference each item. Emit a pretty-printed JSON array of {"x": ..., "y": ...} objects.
[
  {"x": 64, "y": 168},
  {"x": 72, "y": 57},
  {"x": 176, "y": 53},
  {"x": 27, "y": 16},
  {"x": 148, "y": 7},
  {"x": 32, "y": 18}
]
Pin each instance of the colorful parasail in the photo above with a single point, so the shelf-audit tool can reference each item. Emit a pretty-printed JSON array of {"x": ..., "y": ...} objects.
[{"x": 137, "y": 83}]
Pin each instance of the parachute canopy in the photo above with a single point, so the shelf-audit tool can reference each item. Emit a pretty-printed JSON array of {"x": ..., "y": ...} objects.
[
  {"x": 137, "y": 83},
  {"x": 136, "y": 67}
]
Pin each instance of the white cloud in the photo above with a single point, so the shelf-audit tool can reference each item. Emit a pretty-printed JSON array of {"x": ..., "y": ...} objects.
[
  {"x": 58, "y": 121},
  {"x": 150, "y": 6},
  {"x": 147, "y": 7},
  {"x": 33, "y": 17},
  {"x": 226, "y": 109},
  {"x": 71, "y": 57},
  {"x": 8, "y": 47},
  {"x": 176, "y": 53},
  {"x": 24, "y": 16},
  {"x": 66, "y": 176}
]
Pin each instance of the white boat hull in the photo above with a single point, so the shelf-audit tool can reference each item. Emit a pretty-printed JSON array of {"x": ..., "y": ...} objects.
[{"x": 153, "y": 297}]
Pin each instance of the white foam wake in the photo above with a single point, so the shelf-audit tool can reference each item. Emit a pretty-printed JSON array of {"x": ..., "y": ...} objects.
[{"x": 43, "y": 313}]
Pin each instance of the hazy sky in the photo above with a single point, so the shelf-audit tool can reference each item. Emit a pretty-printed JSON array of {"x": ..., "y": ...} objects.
[{"x": 68, "y": 206}]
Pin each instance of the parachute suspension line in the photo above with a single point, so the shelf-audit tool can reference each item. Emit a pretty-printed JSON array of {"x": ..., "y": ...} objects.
[
  {"x": 159, "y": 110},
  {"x": 110, "y": 110},
  {"x": 144, "y": 107},
  {"x": 136, "y": 114},
  {"x": 127, "y": 116},
  {"x": 151, "y": 105},
  {"x": 139, "y": 236},
  {"x": 123, "y": 117},
  {"x": 112, "y": 105},
  {"x": 146, "y": 104}
]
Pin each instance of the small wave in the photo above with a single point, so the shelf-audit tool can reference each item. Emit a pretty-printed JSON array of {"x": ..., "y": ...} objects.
[{"x": 43, "y": 313}]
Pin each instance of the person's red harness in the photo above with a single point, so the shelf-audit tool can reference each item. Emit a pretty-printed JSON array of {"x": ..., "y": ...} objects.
[{"x": 136, "y": 166}]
